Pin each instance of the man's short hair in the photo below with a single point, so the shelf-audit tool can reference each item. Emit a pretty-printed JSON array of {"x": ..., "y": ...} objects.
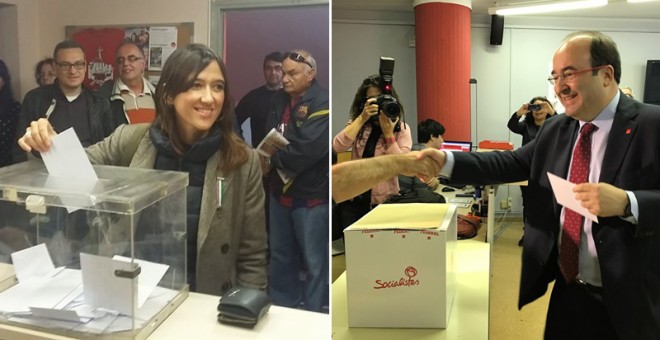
[
  {"x": 128, "y": 42},
  {"x": 428, "y": 129},
  {"x": 603, "y": 51},
  {"x": 276, "y": 56},
  {"x": 64, "y": 45}
]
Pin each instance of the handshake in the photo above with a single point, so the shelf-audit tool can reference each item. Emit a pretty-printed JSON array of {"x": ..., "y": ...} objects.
[
  {"x": 352, "y": 178},
  {"x": 425, "y": 164}
]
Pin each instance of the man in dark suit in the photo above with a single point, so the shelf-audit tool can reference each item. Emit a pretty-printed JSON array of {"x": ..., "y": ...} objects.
[{"x": 614, "y": 290}]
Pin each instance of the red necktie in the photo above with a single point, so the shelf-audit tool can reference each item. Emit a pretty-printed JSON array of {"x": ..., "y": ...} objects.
[{"x": 570, "y": 236}]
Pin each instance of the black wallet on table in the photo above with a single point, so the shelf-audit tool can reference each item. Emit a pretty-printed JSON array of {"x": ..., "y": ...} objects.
[{"x": 243, "y": 307}]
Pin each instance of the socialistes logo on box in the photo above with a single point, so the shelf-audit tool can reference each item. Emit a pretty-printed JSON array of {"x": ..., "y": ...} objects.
[{"x": 402, "y": 282}]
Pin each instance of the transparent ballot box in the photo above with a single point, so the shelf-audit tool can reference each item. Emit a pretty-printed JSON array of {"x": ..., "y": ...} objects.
[{"x": 90, "y": 259}]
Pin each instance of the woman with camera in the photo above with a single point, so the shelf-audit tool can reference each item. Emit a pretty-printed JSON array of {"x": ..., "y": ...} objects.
[
  {"x": 372, "y": 130},
  {"x": 535, "y": 113}
]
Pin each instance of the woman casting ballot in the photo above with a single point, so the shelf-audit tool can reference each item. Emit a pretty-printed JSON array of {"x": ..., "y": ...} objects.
[{"x": 193, "y": 132}]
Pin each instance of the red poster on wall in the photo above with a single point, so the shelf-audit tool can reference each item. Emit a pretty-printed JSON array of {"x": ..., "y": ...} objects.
[{"x": 99, "y": 46}]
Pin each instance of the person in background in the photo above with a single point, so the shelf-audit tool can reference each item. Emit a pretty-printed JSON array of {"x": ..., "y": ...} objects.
[
  {"x": 44, "y": 72},
  {"x": 256, "y": 104},
  {"x": 429, "y": 135},
  {"x": 194, "y": 132},
  {"x": 67, "y": 103},
  {"x": 131, "y": 95},
  {"x": 628, "y": 92},
  {"x": 370, "y": 133},
  {"x": 606, "y": 274},
  {"x": 526, "y": 122},
  {"x": 9, "y": 111},
  {"x": 298, "y": 178}
]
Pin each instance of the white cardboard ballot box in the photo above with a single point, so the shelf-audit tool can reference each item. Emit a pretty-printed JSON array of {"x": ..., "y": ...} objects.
[{"x": 400, "y": 266}]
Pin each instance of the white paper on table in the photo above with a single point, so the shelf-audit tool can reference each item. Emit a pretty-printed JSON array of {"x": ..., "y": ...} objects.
[
  {"x": 31, "y": 262},
  {"x": 102, "y": 288},
  {"x": 563, "y": 191},
  {"x": 150, "y": 274}
]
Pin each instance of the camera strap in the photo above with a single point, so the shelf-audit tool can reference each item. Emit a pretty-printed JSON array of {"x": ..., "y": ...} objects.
[
  {"x": 368, "y": 152},
  {"x": 372, "y": 141}
]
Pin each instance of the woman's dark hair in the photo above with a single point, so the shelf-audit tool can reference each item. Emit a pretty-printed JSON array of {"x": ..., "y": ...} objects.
[
  {"x": 37, "y": 69},
  {"x": 179, "y": 74},
  {"x": 6, "y": 95},
  {"x": 427, "y": 129},
  {"x": 361, "y": 95},
  {"x": 530, "y": 118}
]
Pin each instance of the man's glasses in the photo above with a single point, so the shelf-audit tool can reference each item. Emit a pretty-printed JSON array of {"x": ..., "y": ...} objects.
[
  {"x": 78, "y": 65},
  {"x": 299, "y": 58},
  {"x": 570, "y": 75},
  {"x": 131, "y": 59}
]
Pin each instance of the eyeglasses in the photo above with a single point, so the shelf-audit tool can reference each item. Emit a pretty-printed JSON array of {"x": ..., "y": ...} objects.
[
  {"x": 299, "y": 58},
  {"x": 570, "y": 75},
  {"x": 78, "y": 65},
  {"x": 131, "y": 59}
]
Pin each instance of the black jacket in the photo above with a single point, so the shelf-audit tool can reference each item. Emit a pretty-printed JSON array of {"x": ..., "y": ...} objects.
[
  {"x": 38, "y": 101},
  {"x": 305, "y": 158},
  {"x": 629, "y": 254}
]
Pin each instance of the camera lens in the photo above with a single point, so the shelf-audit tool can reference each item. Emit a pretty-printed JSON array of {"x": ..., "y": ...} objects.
[{"x": 389, "y": 106}]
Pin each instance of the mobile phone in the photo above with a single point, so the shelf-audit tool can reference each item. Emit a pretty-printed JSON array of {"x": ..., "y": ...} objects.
[{"x": 534, "y": 107}]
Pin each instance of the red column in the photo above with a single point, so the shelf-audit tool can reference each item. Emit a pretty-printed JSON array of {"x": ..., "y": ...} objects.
[{"x": 442, "y": 43}]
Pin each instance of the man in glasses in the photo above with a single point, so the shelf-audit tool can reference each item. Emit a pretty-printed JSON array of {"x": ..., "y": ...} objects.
[
  {"x": 606, "y": 273},
  {"x": 298, "y": 183},
  {"x": 256, "y": 103},
  {"x": 131, "y": 95},
  {"x": 67, "y": 103}
]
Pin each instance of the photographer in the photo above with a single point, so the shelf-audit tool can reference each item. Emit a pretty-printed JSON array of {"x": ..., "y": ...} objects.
[
  {"x": 370, "y": 132},
  {"x": 535, "y": 113}
]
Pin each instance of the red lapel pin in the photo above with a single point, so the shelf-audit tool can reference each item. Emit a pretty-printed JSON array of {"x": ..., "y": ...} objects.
[{"x": 628, "y": 131}]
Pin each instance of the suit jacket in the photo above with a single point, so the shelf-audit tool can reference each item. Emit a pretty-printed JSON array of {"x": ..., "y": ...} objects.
[
  {"x": 231, "y": 240},
  {"x": 629, "y": 254}
]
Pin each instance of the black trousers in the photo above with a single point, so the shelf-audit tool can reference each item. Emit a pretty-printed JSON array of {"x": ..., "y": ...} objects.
[{"x": 577, "y": 311}]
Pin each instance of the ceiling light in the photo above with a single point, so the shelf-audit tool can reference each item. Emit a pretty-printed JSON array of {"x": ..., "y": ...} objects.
[{"x": 544, "y": 7}]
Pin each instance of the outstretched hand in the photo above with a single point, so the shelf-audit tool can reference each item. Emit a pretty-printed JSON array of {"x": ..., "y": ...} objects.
[
  {"x": 37, "y": 136},
  {"x": 436, "y": 156},
  {"x": 414, "y": 164}
]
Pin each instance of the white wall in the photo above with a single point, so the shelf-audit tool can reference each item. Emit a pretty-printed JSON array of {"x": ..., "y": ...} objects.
[
  {"x": 507, "y": 75},
  {"x": 41, "y": 23},
  {"x": 357, "y": 57}
]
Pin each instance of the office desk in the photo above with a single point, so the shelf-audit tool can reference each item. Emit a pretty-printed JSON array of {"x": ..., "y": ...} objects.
[
  {"x": 491, "y": 191},
  {"x": 469, "y": 314},
  {"x": 196, "y": 318}
]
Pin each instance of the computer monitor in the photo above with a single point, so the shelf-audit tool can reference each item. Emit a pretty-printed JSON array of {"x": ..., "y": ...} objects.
[{"x": 456, "y": 146}]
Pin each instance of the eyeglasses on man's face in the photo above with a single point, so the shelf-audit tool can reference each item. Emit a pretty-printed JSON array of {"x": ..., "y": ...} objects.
[
  {"x": 131, "y": 59},
  {"x": 298, "y": 58},
  {"x": 570, "y": 74},
  {"x": 78, "y": 65}
]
